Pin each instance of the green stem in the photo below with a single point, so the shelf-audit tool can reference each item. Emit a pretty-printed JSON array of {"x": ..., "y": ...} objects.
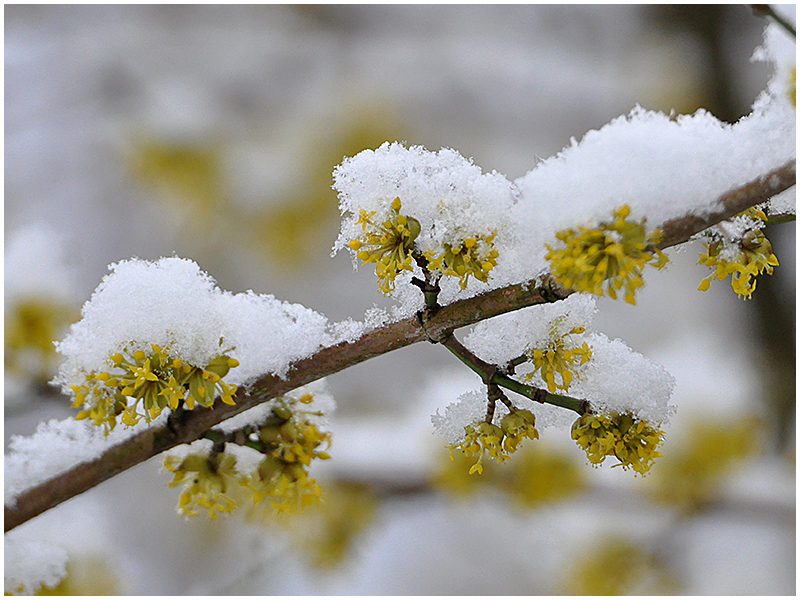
[
  {"x": 535, "y": 394},
  {"x": 784, "y": 218},
  {"x": 490, "y": 374}
]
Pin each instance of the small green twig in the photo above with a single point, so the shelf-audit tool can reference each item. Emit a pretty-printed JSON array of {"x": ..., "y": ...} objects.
[
  {"x": 514, "y": 363},
  {"x": 781, "y": 218},
  {"x": 491, "y": 375}
]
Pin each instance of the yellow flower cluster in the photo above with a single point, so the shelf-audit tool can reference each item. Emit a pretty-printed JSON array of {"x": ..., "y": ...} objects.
[
  {"x": 388, "y": 244},
  {"x": 156, "y": 381},
  {"x": 474, "y": 256},
  {"x": 557, "y": 358},
  {"x": 206, "y": 480},
  {"x": 633, "y": 442},
  {"x": 607, "y": 258},
  {"x": 753, "y": 257},
  {"x": 289, "y": 445},
  {"x": 498, "y": 442}
]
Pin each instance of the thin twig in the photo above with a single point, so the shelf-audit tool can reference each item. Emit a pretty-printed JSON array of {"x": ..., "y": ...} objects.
[
  {"x": 491, "y": 375},
  {"x": 677, "y": 231}
]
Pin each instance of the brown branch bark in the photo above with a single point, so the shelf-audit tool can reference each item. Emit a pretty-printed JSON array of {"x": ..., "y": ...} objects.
[
  {"x": 192, "y": 424},
  {"x": 676, "y": 231}
]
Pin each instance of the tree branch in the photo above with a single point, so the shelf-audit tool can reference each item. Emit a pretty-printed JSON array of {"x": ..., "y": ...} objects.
[
  {"x": 677, "y": 231},
  {"x": 191, "y": 425}
]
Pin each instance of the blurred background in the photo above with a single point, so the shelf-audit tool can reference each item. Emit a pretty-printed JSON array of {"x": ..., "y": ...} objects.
[{"x": 211, "y": 132}]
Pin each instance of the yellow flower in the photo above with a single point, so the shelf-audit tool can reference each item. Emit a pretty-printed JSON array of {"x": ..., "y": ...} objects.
[
  {"x": 102, "y": 405},
  {"x": 498, "y": 442},
  {"x": 155, "y": 381},
  {"x": 288, "y": 486},
  {"x": 289, "y": 447},
  {"x": 606, "y": 258},
  {"x": 558, "y": 358},
  {"x": 389, "y": 244},
  {"x": 633, "y": 442},
  {"x": 474, "y": 256},
  {"x": 752, "y": 257},
  {"x": 518, "y": 425},
  {"x": 206, "y": 480}
]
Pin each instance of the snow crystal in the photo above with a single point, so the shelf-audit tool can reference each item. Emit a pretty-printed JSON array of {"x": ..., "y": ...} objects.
[
  {"x": 172, "y": 303},
  {"x": 784, "y": 203},
  {"x": 619, "y": 379},
  {"x": 268, "y": 334},
  {"x": 505, "y": 337},
  {"x": 469, "y": 408},
  {"x": 29, "y": 564},
  {"x": 615, "y": 378},
  {"x": 450, "y": 197},
  {"x": 779, "y": 49},
  {"x": 348, "y": 330},
  {"x": 55, "y": 447}
]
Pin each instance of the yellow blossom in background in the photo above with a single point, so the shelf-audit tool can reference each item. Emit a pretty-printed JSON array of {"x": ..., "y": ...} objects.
[
  {"x": 453, "y": 475},
  {"x": 752, "y": 257},
  {"x": 541, "y": 476},
  {"x": 474, "y": 256},
  {"x": 154, "y": 380},
  {"x": 607, "y": 258},
  {"x": 31, "y": 326},
  {"x": 388, "y": 244},
  {"x": 498, "y": 442},
  {"x": 536, "y": 476},
  {"x": 87, "y": 575},
  {"x": 206, "y": 480},
  {"x": 690, "y": 474},
  {"x": 325, "y": 532},
  {"x": 631, "y": 441},
  {"x": 614, "y": 566},
  {"x": 558, "y": 358}
]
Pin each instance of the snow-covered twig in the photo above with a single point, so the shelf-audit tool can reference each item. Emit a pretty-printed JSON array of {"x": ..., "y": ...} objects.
[{"x": 191, "y": 425}]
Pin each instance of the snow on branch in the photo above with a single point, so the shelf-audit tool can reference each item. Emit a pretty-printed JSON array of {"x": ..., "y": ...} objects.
[{"x": 68, "y": 481}]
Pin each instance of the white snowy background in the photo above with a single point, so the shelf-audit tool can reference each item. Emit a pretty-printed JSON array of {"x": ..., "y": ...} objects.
[{"x": 87, "y": 88}]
